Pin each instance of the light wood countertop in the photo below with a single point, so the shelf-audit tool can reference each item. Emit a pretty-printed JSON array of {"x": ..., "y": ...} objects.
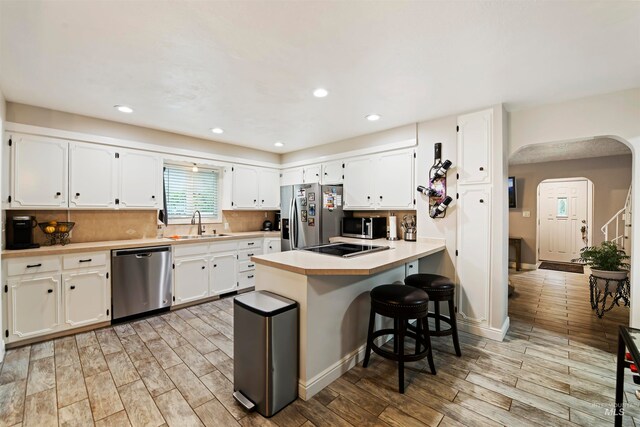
[
  {"x": 314, "y": 264},
  {"x": 135, "y": 243}
]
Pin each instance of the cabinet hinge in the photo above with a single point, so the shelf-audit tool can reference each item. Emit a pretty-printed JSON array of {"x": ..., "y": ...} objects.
[
  {"x": 231, "y": 203},
  {"x": 343, "y": 166},
  {"x": 456, "y": 252},
  {"x": 174, "y": 299},
  {"x": 414, "y": 201},
  {"x": 6, "y": 289},
  {"x": 231, "y": 168},
  {"x": 117, "y": 155},
  {"x": 10, "y": 142},
  {"x": 342, "y": 176},
  {"x": 6, "y": 333},
  {"x": 107, "y": 311},
  {"x": 414, "y": 155},
  {"x": 457, "y": 176},
  {"x": 9, "y": 199},
  {"x": 457, "y": 128},
  {"x": 457, "y": 196},
  {"x": 107, "y": 275},
  {"x": 117, "y": 201},
  {"x": 173, "y": 266}
]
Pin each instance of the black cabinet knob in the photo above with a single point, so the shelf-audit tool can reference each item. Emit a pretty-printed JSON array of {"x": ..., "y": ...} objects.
[
  {"x": 58, "y": 193},
  {"x": 481, "y": 168},
  {"x": 203, "y": 267},
  {"x": 215, "y": 265},
  {"x": 153, "y": 197},
  {"x": 72, "y": 287},
  {"x": 380, "y": 197},
  {"x": 368, "y": 197},
  {"x": 481, "y": 200},
  {"x": 77, "y": 194},
  {"x": 49, "y": 291}
]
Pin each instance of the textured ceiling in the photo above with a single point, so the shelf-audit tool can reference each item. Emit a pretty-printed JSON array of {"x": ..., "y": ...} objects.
[
  {"x": 249, "y": 67},
  {"x": 539, "y": 153}
]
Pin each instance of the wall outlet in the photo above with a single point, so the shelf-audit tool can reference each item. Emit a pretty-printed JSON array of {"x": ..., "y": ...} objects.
[
  {"x": 226, "y": 225},
  {"x": 526, "y": 214}
]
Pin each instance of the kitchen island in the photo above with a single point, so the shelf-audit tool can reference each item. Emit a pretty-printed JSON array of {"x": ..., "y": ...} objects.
[{"x": 333, "y": 294}]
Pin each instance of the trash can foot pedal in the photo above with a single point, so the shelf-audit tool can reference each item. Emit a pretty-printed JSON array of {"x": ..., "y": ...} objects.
[{"x": 244, "y": 401}]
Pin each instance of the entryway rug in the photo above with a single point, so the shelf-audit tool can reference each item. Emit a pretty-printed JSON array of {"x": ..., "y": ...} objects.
[{"x": 562, "y": 266}]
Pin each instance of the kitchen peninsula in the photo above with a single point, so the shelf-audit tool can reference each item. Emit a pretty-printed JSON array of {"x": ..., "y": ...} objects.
[{"x": 333, "y": 294}]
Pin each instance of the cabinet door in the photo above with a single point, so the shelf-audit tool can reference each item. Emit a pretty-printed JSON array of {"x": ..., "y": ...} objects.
[
  {"x": 312, "y": 174},
  {"x": 332, "y": 172},
  {"x": 191, "y": 279},
  {"x": 473, "y": 260},
  {"x": 394, "y": 187},
  {"x": 358, "y": 183},
  {"x": 86, "y": 297},
  {"x": 292, "y": 176},
  {"x": 475, "y": 137},
  {"x": 269, "y": 185},
  {"x": 92, "y": 176},
  {"x": 33, "y": 306},
  {"x": 272, "y": 246},
  {"x": 140, "y": 180},
  {"x": 223, "y": 274},
  {"x": 40, "y": 172},
  {"x": 245, "y": 190}
]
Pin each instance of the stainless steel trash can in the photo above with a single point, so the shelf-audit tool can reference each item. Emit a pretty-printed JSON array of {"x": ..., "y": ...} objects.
[{"x": 265, "y": 351}]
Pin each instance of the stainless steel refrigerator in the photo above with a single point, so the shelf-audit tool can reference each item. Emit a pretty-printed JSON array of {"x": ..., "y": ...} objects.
[{"x": 310, "y": 214}]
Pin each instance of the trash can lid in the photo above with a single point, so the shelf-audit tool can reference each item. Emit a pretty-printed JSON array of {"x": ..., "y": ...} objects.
[{"x": 265, "y": 303}]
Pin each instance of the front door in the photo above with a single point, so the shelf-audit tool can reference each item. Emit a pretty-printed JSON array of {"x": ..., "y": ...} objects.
[{"x": 563, "y": 208}]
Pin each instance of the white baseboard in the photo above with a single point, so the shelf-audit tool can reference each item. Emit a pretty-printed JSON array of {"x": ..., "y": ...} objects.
[
  {"x": 523, "y": 265},
  {"x": 484, "y": 331}
]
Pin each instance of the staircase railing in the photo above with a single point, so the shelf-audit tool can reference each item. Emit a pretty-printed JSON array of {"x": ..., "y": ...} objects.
[{"x": 621, "y": 223}]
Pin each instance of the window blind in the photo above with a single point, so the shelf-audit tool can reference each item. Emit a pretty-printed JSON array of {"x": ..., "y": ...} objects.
[{"x": 188, "y": 191}]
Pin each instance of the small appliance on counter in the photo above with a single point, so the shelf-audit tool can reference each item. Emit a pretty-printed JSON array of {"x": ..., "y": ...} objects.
[
  {"x": 20, "y": 232},
  {"x": 267, "y": 226},
  {"x": 364, "y": 228}
]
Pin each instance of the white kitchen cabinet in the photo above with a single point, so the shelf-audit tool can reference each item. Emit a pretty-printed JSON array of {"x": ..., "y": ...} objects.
[
  {"x": 312, "y": 174},
  {"x": 475, "y": 136},
  {"x": 245, "y": 187},
  {"x": 33, "y": 305},
  {"x": 292, "y": 176},
  {"x": 93, "y": 176},
  {"x": 223, "y": 274},
  {"x": 473, "y": 261},
  {"x": 332, "y": 172},
  {"x": 359, "y": 175},
  {"x": 272, "y": 245},
  {"x": 393, "y": 180},
  {"x": 140, "y": 180},
  {"x": 86, "y": 297},
  {"x": 269, "y": 188},
  {"x": 40, "y": 172},
  {"x": 191, "y": 279}
]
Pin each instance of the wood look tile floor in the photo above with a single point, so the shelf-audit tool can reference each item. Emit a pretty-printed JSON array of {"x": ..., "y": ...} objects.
[{"x": 555, "y": 367}]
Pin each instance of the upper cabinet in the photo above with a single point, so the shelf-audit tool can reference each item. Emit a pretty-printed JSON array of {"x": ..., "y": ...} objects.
[
  {"x": 333, "y": 172},
  {"x": 140, "y": 180},
  {"x": 382, "y": 181},
  {"x": 40, "y": 172},
  {"x": 292, "y": 176},
  {"x": 93, "y": 176},
  {"x": 475, "y": 133},
  {"x": 255, "y": 188},
  {"x": 312, "y": 174}
]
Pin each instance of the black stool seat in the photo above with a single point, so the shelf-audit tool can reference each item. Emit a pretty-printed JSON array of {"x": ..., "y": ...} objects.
[
  {"x": 439, "y": 288},
  {"x": 401, "y": 303}
]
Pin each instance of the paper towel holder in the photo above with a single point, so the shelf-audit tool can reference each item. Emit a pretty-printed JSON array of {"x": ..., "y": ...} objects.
[{"x": 392, "y": 236}]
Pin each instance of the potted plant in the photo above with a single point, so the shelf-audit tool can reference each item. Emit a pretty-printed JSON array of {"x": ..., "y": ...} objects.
[{"x": 606, "y": 261}]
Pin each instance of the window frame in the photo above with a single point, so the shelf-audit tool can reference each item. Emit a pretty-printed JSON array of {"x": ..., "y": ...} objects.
[{"x": 201, "y": 168}]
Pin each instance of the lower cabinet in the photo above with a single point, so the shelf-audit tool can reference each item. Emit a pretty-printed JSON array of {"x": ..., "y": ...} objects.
[
  {"x": 191, "y": 279},
  {"x": 223, "y": 274},
  {"x": 87, "y": 297},
  {"x": 33, "y": 306},
  {"x": 272, "y": 245}
]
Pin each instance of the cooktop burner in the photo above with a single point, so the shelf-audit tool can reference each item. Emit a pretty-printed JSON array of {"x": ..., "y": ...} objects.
[{"x": 345, "y": 250}]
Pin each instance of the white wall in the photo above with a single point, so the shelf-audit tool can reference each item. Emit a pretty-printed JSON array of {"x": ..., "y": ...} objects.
[{"x": 615, "y": 115}]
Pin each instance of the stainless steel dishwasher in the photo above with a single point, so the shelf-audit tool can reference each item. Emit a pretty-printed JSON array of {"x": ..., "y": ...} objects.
[{"x": 142, "y": 280}]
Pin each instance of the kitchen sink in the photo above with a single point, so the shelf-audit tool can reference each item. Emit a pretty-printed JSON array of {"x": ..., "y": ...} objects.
[{"x": 191, "y": 237}]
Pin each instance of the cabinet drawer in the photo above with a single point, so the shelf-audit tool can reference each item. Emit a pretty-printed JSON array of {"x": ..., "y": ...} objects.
[
  {"x": 33, "y": 265},
  {"x": 223, "y": 247},
  {"x": 190, "y": 249},
  {"x": 246, "y": 266},
  {"x": 246, "y": 244},
  {"x": 246, "y": 279},
  {"x": 73, "y": 261},
  {"x": 246, "y": 254}
]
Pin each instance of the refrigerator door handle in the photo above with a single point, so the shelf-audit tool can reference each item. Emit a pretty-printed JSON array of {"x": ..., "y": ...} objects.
[{"x": 293, "y": 220}]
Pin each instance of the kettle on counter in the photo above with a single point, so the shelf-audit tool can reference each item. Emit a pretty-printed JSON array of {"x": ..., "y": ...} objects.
[{"x": 267, "y": 226}]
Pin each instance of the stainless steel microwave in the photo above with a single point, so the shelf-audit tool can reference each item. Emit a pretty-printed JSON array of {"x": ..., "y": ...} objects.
[{"x": 364, "y": 228}]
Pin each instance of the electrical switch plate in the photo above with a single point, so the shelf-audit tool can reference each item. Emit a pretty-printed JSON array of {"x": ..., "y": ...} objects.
[
  {"x": 526, "y": 214},
  {"x": 226, "y": 225}
]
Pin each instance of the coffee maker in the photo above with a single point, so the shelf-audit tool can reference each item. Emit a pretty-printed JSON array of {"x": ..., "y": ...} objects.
[{"x": 20, "y": 232}]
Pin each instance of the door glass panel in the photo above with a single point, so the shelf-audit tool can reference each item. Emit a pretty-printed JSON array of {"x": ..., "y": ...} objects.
[{"x": 562, "y": 208}]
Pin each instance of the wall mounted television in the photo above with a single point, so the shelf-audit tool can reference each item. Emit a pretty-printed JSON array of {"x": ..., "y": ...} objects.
[{"x": 512, "y": 192}]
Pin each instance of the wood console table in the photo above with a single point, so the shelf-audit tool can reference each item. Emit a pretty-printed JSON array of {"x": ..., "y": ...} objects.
[{"x": 516, "y": 242}]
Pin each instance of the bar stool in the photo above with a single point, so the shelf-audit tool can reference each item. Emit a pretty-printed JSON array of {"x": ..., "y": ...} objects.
[
  {"x": 401, "y": 303},
  {"x": 439, "y": 288}
]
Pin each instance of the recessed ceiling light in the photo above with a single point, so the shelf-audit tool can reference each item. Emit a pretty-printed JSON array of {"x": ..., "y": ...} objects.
[
  {"x": 279, "y": 144},
  {"x": 373, "y": 117},
  {"x": 123, "y": 108},
  {"x": 217, "y": 130},
  {"x": 320, "y": 93}
]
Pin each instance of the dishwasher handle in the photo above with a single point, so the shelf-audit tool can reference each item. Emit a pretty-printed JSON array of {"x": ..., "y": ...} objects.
[
  {"x": 144, "y": 255},
  {"x": 140, "y": 252}
]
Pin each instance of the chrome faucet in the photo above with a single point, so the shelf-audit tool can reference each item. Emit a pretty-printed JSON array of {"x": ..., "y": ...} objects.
[{"x": 193, "y": 221}]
